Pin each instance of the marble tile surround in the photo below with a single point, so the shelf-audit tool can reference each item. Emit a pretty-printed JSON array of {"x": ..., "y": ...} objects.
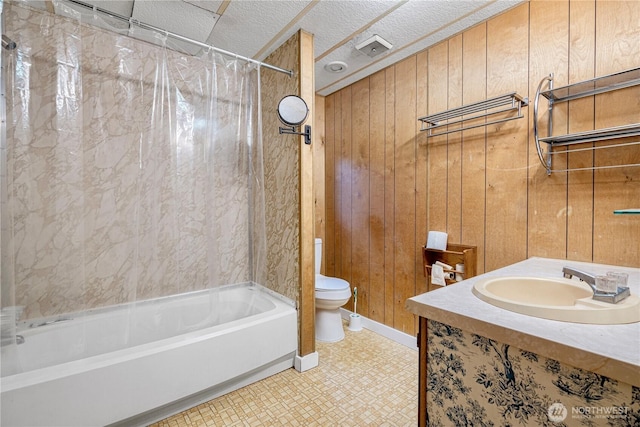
[
  {"x": 112, "y": 184},
  {"x": 282, "y": 171}
]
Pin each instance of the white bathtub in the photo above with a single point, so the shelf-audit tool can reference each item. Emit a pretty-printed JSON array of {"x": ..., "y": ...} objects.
[{"x": 179, "y": 352}]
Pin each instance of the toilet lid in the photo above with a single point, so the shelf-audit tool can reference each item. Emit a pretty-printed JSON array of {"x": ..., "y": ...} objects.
[{"x": 324, "y": 283}]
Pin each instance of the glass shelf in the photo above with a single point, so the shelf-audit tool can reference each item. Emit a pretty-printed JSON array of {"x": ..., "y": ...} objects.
[
  {"x": 602, "y": 84},
  {"x": 627, "y": 211}
]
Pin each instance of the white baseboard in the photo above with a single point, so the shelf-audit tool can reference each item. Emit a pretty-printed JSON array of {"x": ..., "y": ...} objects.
[
  {"x": 304, "y": 363},
  {"x": 384, "y": 330}
]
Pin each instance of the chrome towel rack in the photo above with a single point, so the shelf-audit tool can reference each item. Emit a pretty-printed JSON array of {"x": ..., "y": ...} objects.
[
  {"x": 583, "y": 89},
  {"x": 510, "y": 102}
]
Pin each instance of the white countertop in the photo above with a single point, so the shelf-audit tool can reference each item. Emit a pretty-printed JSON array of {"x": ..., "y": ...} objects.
[{"x": 612, "y": 350}]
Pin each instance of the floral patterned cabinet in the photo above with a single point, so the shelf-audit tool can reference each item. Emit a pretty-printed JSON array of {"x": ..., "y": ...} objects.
[
  {"x": 481, "y": 365},
  {"x": 470, "y": 380}
]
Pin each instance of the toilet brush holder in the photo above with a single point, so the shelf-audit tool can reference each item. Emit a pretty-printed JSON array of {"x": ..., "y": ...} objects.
[{"x": 355, "y": 322}]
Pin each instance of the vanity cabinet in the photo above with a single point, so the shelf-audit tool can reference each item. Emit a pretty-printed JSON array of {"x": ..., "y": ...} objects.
[
  {"x": 479, "y": 363},
  {"x": 454, "y": 254},
  {"x": 468, "y": 378}
]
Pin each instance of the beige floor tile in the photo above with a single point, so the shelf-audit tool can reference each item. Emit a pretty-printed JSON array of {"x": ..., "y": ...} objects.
[{"x": 364, "y": 380}]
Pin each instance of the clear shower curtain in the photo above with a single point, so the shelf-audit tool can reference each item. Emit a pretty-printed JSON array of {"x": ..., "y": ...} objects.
[{"x": 132, "y": 171}]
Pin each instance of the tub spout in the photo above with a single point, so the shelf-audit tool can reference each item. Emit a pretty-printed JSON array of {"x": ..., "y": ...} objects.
[{"x": 9, "y": 340}]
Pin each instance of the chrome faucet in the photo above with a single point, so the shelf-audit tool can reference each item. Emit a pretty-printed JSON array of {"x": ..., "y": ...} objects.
[{"x": 590, "y": 280}]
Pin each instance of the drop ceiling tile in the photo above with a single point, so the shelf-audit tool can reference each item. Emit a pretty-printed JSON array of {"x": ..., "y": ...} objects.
[
  {"x": 246, "y": 26},
  {"x": 98, "y": 19},
  {"x": 210, "y": 5},
  {"x": 121, "y": 7},
  {"x": 177, "y": 17}
]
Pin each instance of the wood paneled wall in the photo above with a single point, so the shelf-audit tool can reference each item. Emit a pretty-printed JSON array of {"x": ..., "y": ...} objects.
[{"x": 386, "y": 185}]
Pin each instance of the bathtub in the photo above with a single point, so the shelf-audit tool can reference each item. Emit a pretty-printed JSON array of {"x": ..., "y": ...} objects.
[{"x": 83, "y": 370}]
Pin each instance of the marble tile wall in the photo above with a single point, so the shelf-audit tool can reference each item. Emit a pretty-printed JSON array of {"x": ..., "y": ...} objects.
[
  {"x": 118, "y": 170},
  {"x": 282, "y": 175}
]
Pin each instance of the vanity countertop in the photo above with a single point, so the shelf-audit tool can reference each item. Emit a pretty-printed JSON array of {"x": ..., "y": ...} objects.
[{"x": 609, "y": 350}]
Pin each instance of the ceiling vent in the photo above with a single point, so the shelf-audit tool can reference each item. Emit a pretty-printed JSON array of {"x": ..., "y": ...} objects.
[{"x": 374, "y": 46}]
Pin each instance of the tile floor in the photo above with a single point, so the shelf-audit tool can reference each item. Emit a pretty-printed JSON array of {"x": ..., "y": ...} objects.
[{"x": 364, "y": 380}]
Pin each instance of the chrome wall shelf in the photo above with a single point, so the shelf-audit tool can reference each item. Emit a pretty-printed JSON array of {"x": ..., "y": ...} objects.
[
  {"x": 594, "y": 86},
  {"x": 583, "y": 89},
  {"x": 499, "y": 104}
]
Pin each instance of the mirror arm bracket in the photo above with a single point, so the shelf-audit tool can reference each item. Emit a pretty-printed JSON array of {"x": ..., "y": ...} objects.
[{"x": 292, "y": 131}]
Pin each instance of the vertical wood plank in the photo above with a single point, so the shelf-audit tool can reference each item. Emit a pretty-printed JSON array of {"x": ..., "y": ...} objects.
[
  {"x": 306, "y": 242},
  {"x": 454, "y": 142},
  {"x": 437, "y": 146},
  {"x": 389, "y": 195},
  {"x": 547, "y": 218},
  {"x": 328, "y": 258},
  {"x": 507, "y": 60},
  {"x": 360, "y": 194},
  {"x": 474, "y": 80},
  {"x": 377, "y": 196},
  {"x": 346, "y": 176},
  {"x": 318, "y": 147},
  {"x": 405, "y": 233},
  {"x": 617, "y": 49},
  {"x": 337, "y": 193},
  {"x": 421, "y": 169},
  {"x": 580, "y": 184}
]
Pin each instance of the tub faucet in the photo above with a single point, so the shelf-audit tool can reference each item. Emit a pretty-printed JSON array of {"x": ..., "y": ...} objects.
[
  {"x": 9, "y": 317},
  {"x": 590, "y": 280}
]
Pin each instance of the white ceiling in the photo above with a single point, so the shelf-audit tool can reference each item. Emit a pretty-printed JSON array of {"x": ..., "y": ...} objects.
[{"x": 255, "y": 28}]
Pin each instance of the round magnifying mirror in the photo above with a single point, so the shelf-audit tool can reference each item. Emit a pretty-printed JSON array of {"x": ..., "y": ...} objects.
[{"x": 292, "y": 110}]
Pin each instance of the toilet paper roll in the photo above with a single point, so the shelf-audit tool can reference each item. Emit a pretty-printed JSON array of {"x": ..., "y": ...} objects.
[
  {"x": 460, "y": 274},
  {"x": 443, "y": 265},
  {"x": 437, "y": 240}
]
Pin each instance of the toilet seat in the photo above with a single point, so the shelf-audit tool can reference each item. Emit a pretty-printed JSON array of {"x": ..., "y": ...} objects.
[
  {"x": 324, "y": 283},
  {"x": 332, "y": 288}
]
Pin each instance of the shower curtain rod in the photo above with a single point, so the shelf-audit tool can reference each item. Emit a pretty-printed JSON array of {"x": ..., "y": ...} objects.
[{"x": 179, "y": 37}]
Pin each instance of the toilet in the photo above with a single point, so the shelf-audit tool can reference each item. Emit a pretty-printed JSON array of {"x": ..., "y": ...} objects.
[{"x": 331, "y": 294}]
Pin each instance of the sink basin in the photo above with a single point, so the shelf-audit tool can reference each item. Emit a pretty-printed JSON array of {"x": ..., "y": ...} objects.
[{"x": 555, "y": 299}]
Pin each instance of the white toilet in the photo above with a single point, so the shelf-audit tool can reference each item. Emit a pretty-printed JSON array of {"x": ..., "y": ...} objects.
[{"x": 331, "y": 294}]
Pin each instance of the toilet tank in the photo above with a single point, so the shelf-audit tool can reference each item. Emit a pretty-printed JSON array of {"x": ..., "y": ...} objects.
[{"x": 318, "y": 255}]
